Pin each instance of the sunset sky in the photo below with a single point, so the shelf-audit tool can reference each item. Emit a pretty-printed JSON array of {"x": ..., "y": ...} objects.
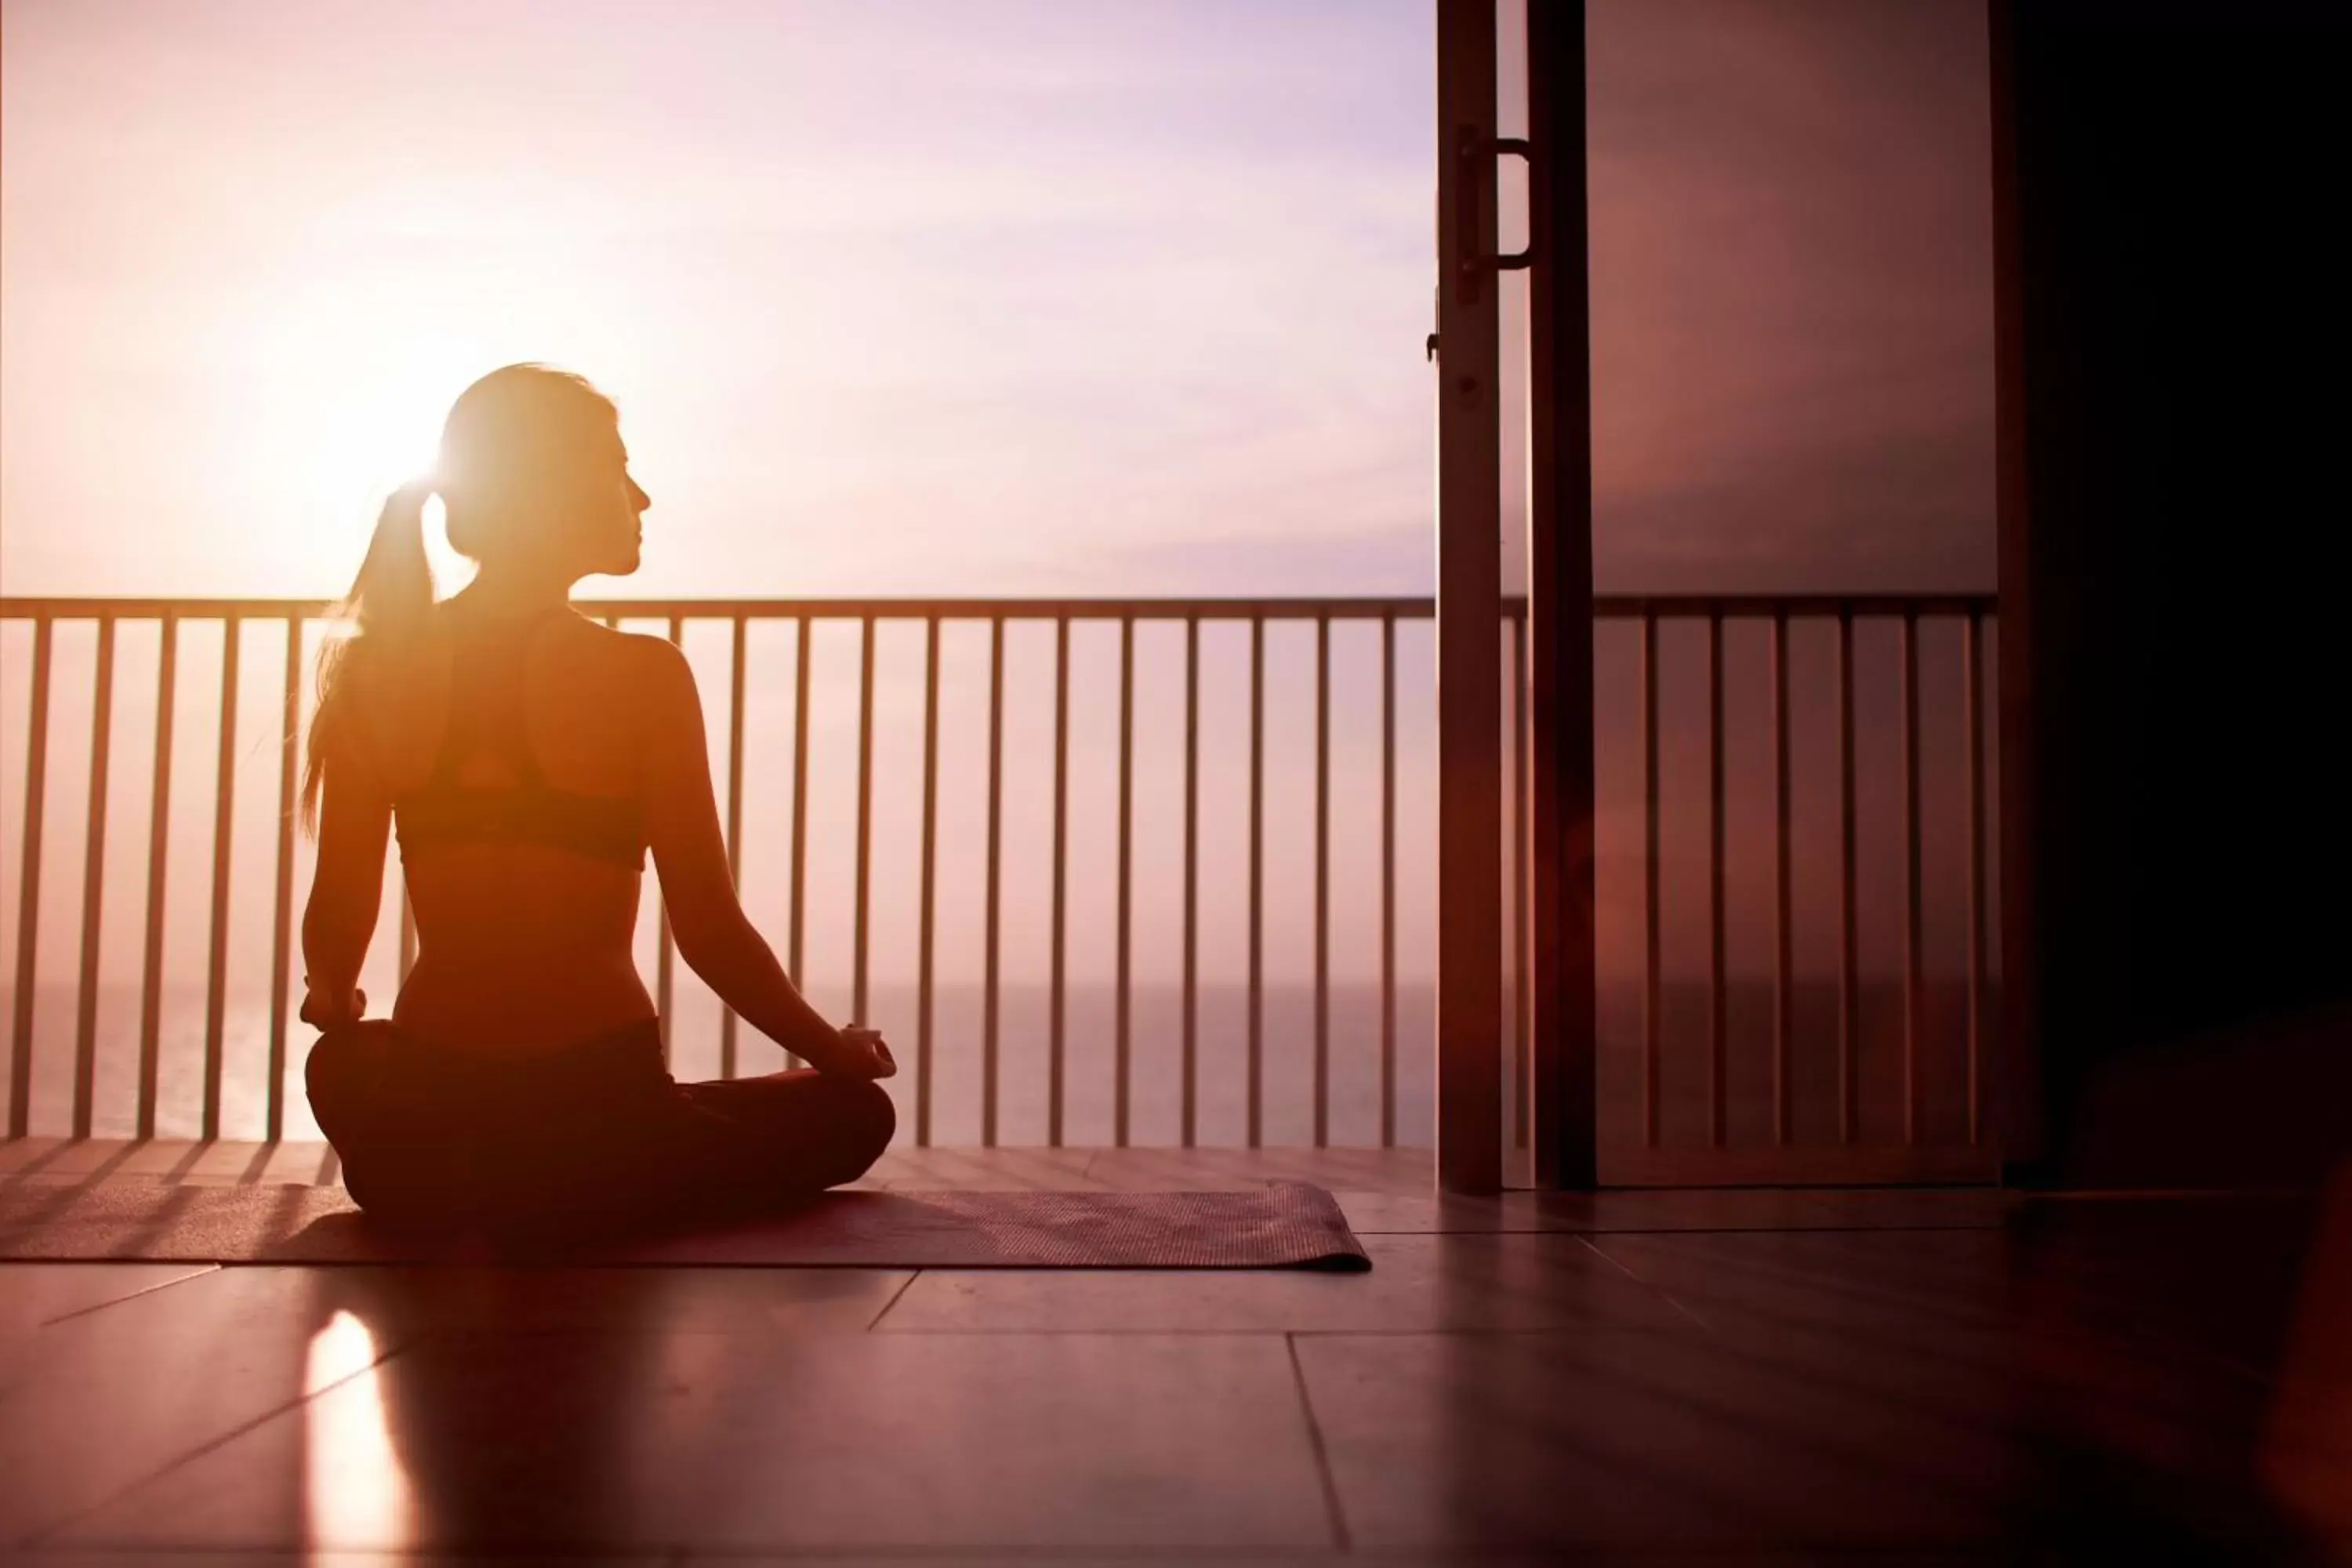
[
  {"x": 978, "y": 297},
  {"x": 968, "y": 297}
]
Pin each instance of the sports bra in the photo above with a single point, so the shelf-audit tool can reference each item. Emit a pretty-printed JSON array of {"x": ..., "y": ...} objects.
[{"x": 487, "y": 719}]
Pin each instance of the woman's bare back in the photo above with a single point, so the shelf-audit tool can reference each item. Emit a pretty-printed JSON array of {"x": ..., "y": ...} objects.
[{"x": 523, "y": 946}]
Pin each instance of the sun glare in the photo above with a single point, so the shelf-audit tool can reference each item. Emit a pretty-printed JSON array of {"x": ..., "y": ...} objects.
[
  {"x": 363, "y": 437},
  {"x": 353, "y": 403},
  {"x": 377, "y": 433},
  {"x": 358, "y": 377},
  {"x": 355, "y": 1490}
]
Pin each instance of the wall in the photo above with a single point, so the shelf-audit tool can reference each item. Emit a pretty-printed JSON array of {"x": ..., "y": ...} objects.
[{"x": 2175, "y": 340}]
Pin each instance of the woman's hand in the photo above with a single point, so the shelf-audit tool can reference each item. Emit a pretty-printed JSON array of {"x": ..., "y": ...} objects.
[
  {"x": 321, "y": 1013},
  {"x": 856, "y": 1052}
]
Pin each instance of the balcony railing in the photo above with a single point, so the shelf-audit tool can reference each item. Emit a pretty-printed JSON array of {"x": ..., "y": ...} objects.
[{"x": 1639, "y": 1122}]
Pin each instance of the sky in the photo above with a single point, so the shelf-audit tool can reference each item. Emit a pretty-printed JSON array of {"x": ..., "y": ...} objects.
[
  {"x": 987, "y": 297},
  {"x": 993, "y": 297}
]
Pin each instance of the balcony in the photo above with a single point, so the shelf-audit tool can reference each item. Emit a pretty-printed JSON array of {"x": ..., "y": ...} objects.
[{"x": 1170, "y": 892}]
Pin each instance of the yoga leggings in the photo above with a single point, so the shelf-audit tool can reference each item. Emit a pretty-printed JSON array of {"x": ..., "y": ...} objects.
[{"x": 597, "y": 1136}]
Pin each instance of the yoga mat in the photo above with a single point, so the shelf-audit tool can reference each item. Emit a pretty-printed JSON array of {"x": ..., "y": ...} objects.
[{"x": 1281, "y": 1225}]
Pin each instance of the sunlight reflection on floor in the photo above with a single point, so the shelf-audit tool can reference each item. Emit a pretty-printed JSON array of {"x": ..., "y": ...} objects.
[{"x": 355, "y": 1491}]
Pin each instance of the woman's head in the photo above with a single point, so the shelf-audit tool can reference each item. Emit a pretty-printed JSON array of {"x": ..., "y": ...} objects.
[
  {"x": 534, "y": 475},
  {"x": 537, "y": 486}
]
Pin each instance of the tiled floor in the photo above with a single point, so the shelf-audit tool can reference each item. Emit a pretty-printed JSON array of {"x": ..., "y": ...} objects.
[{"x": 1732, "y": 1377}]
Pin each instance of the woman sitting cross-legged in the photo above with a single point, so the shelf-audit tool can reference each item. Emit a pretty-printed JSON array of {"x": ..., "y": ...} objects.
[{"x": 528, "y": 758}]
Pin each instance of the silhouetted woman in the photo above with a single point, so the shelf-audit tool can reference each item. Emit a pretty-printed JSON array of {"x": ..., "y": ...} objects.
[{"x": 527, "y": 758}]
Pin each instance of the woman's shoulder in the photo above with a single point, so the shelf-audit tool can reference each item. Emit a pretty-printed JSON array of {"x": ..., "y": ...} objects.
[
  {"x": 636, "y": 670},
  {"x": 636, "y": 652}
]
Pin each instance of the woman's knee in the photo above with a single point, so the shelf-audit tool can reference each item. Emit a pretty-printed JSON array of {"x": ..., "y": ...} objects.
[
  {"x": 339, "y": 1074},
  {"x": 331, "y": 1070},
  {"x": 865, "y": 1119},
  {"x": 876, "y": 1115}
]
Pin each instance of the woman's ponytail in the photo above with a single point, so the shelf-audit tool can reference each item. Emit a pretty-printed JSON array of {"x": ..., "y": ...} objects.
[
  {"x": 394, "y": 588},
  {"x": 388, "y": 602}
]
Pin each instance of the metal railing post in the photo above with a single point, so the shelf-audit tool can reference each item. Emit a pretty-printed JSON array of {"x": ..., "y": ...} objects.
[
  {"x": 1257, "y": 884},
  {"x": 159, "y": 840},
  {"x": 94, "y": 880},
  {"x": 1322, "y": 882},
  {"x": 1190, "y": 1123},
  {"x": 993, "y": 901},
  {"x": 736, "y": 666},
  {"x": 1122, "y": 1069},
  {"x": 1388, "y": 883},
  {"x": 224, "y": 820},
  {"x": 1717, "y": 1020},
  {"x": 1652, "y": 930},
  {"x": 28, "y": 888},
  {"x": 281, "y": 909},
  {"x": 927, "y": 915},
  {"x": 858, "y": 1006},
  {"x": 1060, "y": 955}
]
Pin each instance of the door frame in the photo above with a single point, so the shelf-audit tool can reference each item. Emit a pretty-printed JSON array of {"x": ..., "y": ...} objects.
[{"x": 1556, "y": 944}]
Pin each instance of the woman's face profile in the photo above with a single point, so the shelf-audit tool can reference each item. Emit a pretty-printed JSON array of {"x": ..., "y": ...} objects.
[
  {"x": 609, "y": 510},
  {"x": 549, "y": 486}
]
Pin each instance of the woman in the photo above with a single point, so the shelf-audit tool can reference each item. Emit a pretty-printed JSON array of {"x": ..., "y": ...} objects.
[{"x": 527, "y": 758}]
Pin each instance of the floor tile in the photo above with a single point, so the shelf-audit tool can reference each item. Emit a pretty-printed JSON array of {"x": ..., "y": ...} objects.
[
  {"x": 17, "y": 1155},
  {"x": 173, "y": 1557},
  {"x": 151, "y": 1159},
  {"x": 1718, "y": 1442},
  {"x": 627, "y": 1442},
  {"x": 1920, "y": 1282},
  {"x": 32, "y": 1294},
  {"x": 397, "y": 1302},
  {"x": 1417, "y": 1283},
  {"x": 1338, "y": 1559},
  {"x": 77, "y": 1160},
  {"x": 1930, "y": 1279},
  {"x": 1997, "y": 1557},
  {"x": 1378, "y": 1213},
  {"x": 92, "y": 1404},
  {"x": 2213, "y": 1274},
  {"x": 1916, "y": 1208},
  {"x": 161, "y": 1157},
  {"x": 1598, "y": 1440},
  {"x": 1425, "y": 1214}
]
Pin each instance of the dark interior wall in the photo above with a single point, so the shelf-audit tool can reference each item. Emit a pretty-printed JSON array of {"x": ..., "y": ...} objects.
[{"x": 2182, "y": 350}]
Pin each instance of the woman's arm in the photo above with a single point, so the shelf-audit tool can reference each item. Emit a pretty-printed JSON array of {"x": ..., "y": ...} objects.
[
  {"x": 713, "y": 935},
  {"x": 347, "y": 887}
]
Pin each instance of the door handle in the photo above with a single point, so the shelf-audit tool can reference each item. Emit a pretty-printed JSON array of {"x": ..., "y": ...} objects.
[{"x": 1516, "y": 146}]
